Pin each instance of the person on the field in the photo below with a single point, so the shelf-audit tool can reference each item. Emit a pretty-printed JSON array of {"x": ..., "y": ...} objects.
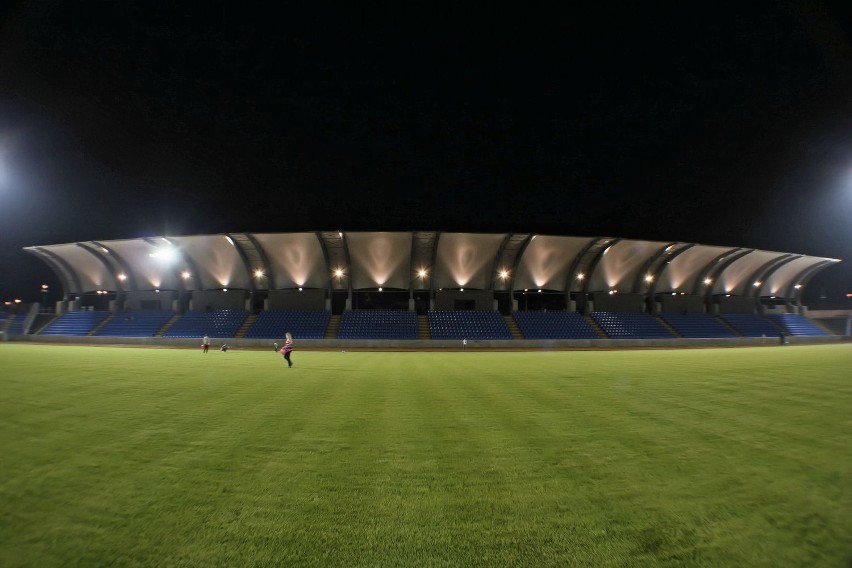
[
  {"x": 205, "y": 343},
  {"x": 288, "y": 348},
  {"x": 224, "y": 347}
]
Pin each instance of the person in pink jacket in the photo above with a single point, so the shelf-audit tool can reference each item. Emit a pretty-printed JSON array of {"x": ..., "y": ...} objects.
[{"x": 288, "y": 348}]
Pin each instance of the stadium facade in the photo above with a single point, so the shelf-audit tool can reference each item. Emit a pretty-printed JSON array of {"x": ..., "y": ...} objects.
[{"x": 423, "y": 270}]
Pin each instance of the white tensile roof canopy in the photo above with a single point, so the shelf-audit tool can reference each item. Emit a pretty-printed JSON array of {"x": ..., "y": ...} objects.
[{"x": 423, "y": 260}]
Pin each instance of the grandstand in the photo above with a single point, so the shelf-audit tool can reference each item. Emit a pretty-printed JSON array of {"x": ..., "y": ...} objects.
[{"x": 429, "y": 286}]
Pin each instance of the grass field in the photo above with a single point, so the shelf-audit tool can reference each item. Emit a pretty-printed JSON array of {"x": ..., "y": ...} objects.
[{"x": 167, "y": 457}]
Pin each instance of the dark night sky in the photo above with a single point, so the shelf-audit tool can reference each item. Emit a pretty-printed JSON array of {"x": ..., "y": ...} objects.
[{"x": 728, "y": 126}]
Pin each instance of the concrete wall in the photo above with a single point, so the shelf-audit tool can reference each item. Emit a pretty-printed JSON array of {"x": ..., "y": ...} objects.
[
  {"x": 377, "y": 344},
  {"x": 164, "y": 299},
  {"x": 679, "y": 304},
  {"x": 606, "y": 302},
  {"x": 312, "y": 299},
  {"x": 218, "y": 300},
  {"x": 446, "y": 299}
]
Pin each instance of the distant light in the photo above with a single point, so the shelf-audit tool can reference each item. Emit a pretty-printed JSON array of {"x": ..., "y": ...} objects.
[
  {"x": 185, "y": 275},
  {"x": 157, "y": 290},
  {"x": 422, "y": 273},
  {"x": 757, "y": 284},
  {"x": 649, "y": 278},
  {"x": 526, "y": 289},
  {"x": 122, "y": 276},
  {"x": 708, "y": 280},
  {"x": 539, "y": 290},
  {"x": 338, "y": 272},
  {"x": 106, "y": 250},
  {"x": 797, "y": 286},
  {"x": 380, "y": 289},
  {"x": 674, "y": 293},
  {"x": 670, "y": 247},
  {"x": 44, "y": 287},
  {"x": 461, "y": 289},
  {"x": 300, "y": 288},
  {"x": 7, "y": 303},
  {"x": 727, "y": 295},
  {"x": 230, "y": 240},
  {"x": 580, "y": 276},
  {"x": 258, "y": 273},
  {"x": 17, "y": 301},
  {"x": 849, "y": 295},
  {"x": 504, "y": 274},
  {"x": 340, "y": 234},
  {"x": 224, "y": 289}
]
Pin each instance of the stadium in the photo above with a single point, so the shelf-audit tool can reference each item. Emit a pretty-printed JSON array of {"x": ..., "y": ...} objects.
[{"x": 423, "y": 290}]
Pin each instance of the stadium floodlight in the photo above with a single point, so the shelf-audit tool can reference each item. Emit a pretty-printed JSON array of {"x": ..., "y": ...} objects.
[
  {"x": 504, "y": 274},
  {"x": 122, "y": 276},
  {"x": 421, "y": 273},
  {"x": 338, "y": 273},
  {"x": 708, "y": 280},
  {"x": 798, "y": 286},
  {"x": 757, "y": 284},
  {"x": 580, "y": 276},
  {"x": 185, "y": 275},
  {"x": 259, "y": 273},
  {"x": 649, "y": 278}
]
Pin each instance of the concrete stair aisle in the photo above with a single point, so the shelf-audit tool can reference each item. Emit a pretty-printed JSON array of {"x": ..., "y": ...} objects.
[
  {"x": 594, "y": 325},
  {"x": 423, "y": 328},
  {"x": 246, "y": 325},
  {"x": 167, "y": 325},
  {"x": 333, "y": 326},
  {"x": 105, "y": 321},
  {"x": 727, "y": 326},
  {"x": 668, "y": 327},
  {"x": 513, "y": 327}
]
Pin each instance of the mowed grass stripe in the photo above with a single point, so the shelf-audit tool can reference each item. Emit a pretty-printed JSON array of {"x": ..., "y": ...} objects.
[{"x": 135, "y": 456}]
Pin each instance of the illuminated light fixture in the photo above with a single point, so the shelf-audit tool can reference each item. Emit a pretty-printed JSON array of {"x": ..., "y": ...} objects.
[
  {"x": 340, "y": 234},
  {"x": 799, "y": 286},
  {"x": 460, "y": 289},
  {"x": 380, "y": 288},
  {"x": 674, "y": 293},
  {"x": 258, "y": 273},
  {"x": 7, "y": 303},
  {"x": 421, "y": 273},
  {"x": 338, "y": 272},
  {"x": 526, "y": 289},
  {"x": 539, "y": 290},
  {"x": 300, "y": 288},
  {"x": 757, "y": 284},
  {"x": 611, "y": 292},
  {"x": 708, "y": 280},
  {"x": 607, "y": 249},
  {"x": 670, "y": 247},
  {"x": 44, "y": 286},
  {"x": 224, "y": 289},
  {"x": 649, "y": 278},
  {"x": 580, "y": 276},
  {"x": 504, "y": 274},
  {"x": 849, "y": 295},
  {"x": 727, "y": 295},
  {"x": 122, "y": 276},
  {"x": 17, "y": 301},
  {"x": 157, "y": 290},
  {"x": 106, "y": 250},
  {"x": 185, "y": 275},
  {"x": 230, "y": 240}
]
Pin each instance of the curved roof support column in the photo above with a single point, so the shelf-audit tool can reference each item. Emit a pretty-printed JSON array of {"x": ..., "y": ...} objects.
[
  {"x": 262, "y": 258},
  {"x": 70, "y": 280},
  {"x": 572, "y": 275},
  {"x": 98, "y": 253},
  {"x": 768, "y": 268},
  {"x": 237, "y": 241},
  {"x": 721, "y": 262},
  {"x": 328, "y": 270},
  {"x": 596, "y": 260},
  {"x": 652, "y": 289},
  {"x": 129, "y": 275},
  {"x": 795, "y": 290},
  {"x": 642, "y": 280}
]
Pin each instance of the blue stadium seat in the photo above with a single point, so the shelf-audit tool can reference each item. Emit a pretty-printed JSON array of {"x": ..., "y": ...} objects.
[
  {"x": 216, "y": 324},
  {"x": 697, "y": 325},
  {"x": 751, "y": 325},
  {"x": 303, "y": 324},
  {"x": 467, "y": 324},
  {"x": 631, "y": 325},
  {"x": 554, "y": 325},
  {"x": 795, "y": 324},
  {"x": 378, "y": 324},
  {"x": 137, "y": 323},
  {"x": 75, "y": 323}
]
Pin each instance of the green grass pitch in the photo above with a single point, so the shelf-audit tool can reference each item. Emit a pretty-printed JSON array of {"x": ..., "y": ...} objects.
[{"x": 168, "y": 457}]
